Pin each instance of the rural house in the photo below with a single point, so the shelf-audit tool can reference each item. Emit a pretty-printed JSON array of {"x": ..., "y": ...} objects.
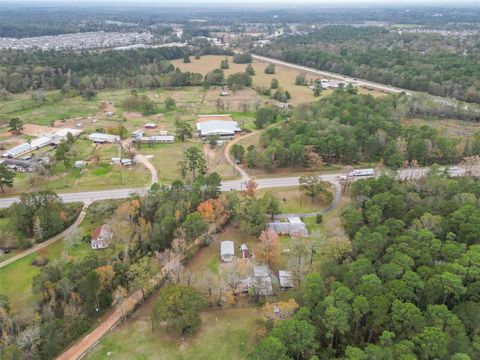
[
  {"x": 101, "y": 237},
  {"x": 294, "y": 226}
]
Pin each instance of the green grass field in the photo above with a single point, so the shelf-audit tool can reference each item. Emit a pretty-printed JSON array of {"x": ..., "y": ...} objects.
[
  {"x": 293, "y": 201},
  {"x": 16, "y": 278},
  {"x": 165, "y": 158},
  {"x": 56, "y": 107},
  {"x": 224, "y": 334}
]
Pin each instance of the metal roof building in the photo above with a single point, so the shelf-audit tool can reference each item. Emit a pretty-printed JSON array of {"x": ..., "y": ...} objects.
[
  {"x": 221, "y": 125},
  {"x": 157, "y": 139},
  {"x": 262, "y": 280},
  {"x": 26, "y": 147},
  {"x": 104, "y": 138},
  {"x": 227, "y": 250},
  {"x": 294, "y": 226},
  {"x": 285, "y": 279}
]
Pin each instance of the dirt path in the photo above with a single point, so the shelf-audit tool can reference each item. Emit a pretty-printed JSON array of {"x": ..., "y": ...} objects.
[
  {"x": 229, "y": 159},
  {"x": 118, "y": 313},
  {"x": 44, "y": 244},
  {"x": 144, "y": 159}
]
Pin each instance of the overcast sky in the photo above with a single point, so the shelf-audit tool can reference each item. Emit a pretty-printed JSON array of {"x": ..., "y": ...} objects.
[{"x": 329, "y": 3}]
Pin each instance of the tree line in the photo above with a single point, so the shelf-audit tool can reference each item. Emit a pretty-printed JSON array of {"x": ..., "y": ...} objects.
[
  {"x": 350, "y": 128},
  {"x": 406, "y": 288},
  {"x": 442, "y": 66},
  {"x": 73, "y": 292}
]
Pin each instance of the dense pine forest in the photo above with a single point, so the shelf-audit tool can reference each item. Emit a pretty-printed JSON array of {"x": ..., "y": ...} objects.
[
  {"x": 440, "y": 65},
  {"x": 409, "y": 287},
  {"x": 350, "y": 128}
]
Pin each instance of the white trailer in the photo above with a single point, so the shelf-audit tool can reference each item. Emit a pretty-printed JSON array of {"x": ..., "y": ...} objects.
[{"x": 362, "y": 172}]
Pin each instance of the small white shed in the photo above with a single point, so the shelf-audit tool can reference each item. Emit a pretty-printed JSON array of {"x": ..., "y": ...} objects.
[
  {"x": 227, "y": 251},
  {"x": 285, "y": 279}
]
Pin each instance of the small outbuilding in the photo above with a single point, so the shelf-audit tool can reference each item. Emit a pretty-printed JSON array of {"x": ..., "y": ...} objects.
[
  {"x": 150, "y": 126},
  {"x": 227, "y": 251},
  {"x": 80, "y": 164},
  {"x": 285, "y": 279},
  {"x": 262, "y": 280},
  {"x": 244, "y": 251},
  {"x": 137, "y": 134}
]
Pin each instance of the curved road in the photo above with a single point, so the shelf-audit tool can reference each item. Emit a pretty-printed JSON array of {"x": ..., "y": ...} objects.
[{"x": 45, "y": 243}]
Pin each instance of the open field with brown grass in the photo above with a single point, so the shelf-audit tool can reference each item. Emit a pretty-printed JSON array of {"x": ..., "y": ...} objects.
[
  {"x": 286, "y": 77},
  {"x": 224, "y": 334},
  {"x": 448, "y": 127},
  {"x": 216, "y": 161}
]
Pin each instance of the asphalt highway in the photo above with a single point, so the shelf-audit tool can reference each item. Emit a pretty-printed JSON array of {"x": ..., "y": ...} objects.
[{"x": 88, "y": 197}]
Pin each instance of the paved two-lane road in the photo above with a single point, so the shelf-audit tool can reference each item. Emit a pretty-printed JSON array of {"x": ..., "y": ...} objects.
[{"x": 88, "y": 197}]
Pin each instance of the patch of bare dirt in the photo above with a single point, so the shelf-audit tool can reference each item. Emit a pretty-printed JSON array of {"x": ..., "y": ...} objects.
[
  {"x": 130, "y": 115},
  {"x": 37, "y": 130},
  {"x": 107, "y": 106}
]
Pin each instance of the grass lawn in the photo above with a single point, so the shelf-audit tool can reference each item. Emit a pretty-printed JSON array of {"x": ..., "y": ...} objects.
[
  {"x": 166, "y": 157},
  {"x": 216, "y": 161},
  {"x": 293, "y": 201},
  {"x": 224, "y": 334},
  {"x": 16, "y": 278},
  {"x": 56, "y": 107}
]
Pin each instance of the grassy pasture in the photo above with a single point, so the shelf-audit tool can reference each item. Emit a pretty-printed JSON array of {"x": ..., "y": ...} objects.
[
  {"x": 224, "y": 334},
  {"x": 293, "y": 201},
  {"x": 16, "y": 278},
  {"x": 285, "y": 76}
]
